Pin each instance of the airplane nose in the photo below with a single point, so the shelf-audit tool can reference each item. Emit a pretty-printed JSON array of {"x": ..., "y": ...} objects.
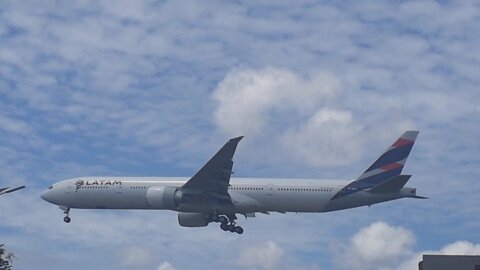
[
  {"x": 46, "y": 195},
  {"x": 53, "y": 195}
]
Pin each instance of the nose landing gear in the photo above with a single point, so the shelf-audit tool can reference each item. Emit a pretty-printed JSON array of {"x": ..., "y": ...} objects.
[{"x": 66, "y": 211}]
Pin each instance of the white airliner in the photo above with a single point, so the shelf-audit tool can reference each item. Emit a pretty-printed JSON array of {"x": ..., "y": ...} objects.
[
  {"x": 9, "y": 190},
  {"x": 211, "y": 196}
]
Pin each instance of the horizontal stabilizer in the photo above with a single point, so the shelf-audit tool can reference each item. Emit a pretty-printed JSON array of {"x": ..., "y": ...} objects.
[{"x": 393, "y": 184}]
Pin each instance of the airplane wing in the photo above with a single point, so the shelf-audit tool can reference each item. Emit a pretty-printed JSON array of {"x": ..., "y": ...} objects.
[
  {"x": 8, "y": 190},
  {"x": 213, "y": 178}
]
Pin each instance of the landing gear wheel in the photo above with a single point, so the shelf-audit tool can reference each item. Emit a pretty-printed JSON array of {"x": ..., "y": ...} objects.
[
  {"x": 223, "y": 219},
  {"x": 227, "y": 222},
  {"x": 239, "y": 230},
  {"x": 66, "y": 211}
]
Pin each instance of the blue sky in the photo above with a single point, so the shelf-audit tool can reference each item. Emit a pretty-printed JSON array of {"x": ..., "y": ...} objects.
[{"x": 319, "y": 89}]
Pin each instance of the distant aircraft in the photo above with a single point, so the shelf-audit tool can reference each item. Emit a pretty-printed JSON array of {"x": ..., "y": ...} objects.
[
  {"x": 211, "y": 196},
  {"x": 8, "y": 190}
]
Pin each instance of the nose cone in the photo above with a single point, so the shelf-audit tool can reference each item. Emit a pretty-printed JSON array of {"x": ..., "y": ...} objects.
[
  {"x": 46, "y": 195},
  {"x": 51, "y": 195}
]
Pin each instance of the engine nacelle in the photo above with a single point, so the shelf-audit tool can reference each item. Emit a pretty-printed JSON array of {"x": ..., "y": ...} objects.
[
  {"x": 192, "y": 219},
  {"x": 164, "y": 197}
]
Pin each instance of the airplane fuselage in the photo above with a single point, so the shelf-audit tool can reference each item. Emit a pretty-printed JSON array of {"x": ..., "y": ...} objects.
[{"x": 249, "y": 195}]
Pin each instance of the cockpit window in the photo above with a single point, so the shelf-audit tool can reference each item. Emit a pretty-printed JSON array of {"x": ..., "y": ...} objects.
[{"x": 50, "y": 187}]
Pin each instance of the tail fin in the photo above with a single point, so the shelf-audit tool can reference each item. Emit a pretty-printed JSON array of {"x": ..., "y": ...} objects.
[{"x": 389, "y": 164}]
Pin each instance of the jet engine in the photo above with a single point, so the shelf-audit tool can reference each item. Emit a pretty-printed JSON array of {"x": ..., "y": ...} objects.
[
  {"x": 192, "y": 219},
  {"x": 164, "y": 197}
]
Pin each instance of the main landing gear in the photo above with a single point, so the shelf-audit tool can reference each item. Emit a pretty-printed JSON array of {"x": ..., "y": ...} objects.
[
  {"x": 227, "y": 223},
  {"x": 66, "y": 211}
]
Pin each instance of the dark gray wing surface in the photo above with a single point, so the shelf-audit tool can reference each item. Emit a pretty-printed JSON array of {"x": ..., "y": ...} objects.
[{"x": 214, "y": 177}]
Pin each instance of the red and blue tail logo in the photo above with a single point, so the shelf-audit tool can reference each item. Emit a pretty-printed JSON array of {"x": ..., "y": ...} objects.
[{"x": 388, "y": 165}]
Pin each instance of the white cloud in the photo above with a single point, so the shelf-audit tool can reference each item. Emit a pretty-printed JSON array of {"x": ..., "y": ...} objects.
[
  {"x": 381, "y": 242},
  {"x": 329, "y": 137},
  {"x": 250, "y": 101},
  {"x": 460, "y": 248},
  {"x": 165, "y": 266},
  {"x": 291, "y": 110},
  {"x": 14, "y": 125},
  {"x": 377, "y": 246},
  {"x": 266, "y": 255},
  {"x": 135, "y": 256}
]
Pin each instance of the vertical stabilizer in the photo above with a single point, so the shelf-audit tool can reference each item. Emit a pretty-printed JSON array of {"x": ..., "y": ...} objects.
[{"x": 390, "y": 164}]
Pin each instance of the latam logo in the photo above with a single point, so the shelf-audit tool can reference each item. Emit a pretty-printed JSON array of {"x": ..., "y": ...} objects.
[{"x": 80, "y": 183}]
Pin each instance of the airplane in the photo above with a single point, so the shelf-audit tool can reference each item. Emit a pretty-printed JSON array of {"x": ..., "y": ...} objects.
[
  {"x": 211, "y": 195},
  {"x": 8, "y": 190}
]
